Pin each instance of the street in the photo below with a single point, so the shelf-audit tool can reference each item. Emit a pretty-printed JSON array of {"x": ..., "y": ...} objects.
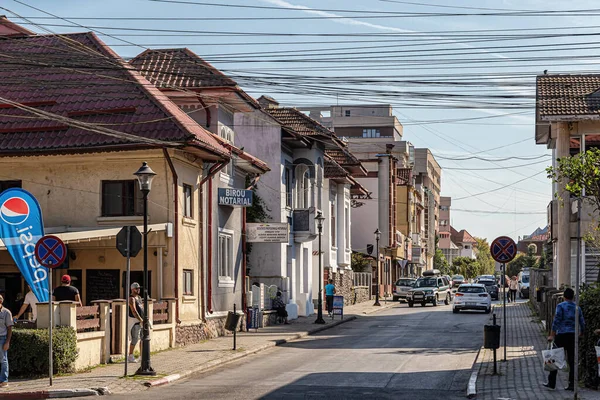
[{"x": 417, "y": 353}]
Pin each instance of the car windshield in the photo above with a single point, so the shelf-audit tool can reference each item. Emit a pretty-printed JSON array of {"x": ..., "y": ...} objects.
[
  {"x": 426, "y": 282},
  {"x": 525, "y": 279},
  {"x": 488, "y": 283},
  {"x": 458, "y": 278},
  {"x": 405, "y": 282},
  {"x": 470, "y": 289}
]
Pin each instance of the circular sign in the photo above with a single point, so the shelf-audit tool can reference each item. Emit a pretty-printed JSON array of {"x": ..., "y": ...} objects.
[
  {"x": 503, "y": 249},
  {"x": 50, "y": 251}
]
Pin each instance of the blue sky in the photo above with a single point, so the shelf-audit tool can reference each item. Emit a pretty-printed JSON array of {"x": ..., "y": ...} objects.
[{"x": 408, "y": 71}]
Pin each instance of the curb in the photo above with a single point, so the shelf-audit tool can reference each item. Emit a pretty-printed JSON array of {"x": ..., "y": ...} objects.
[
  {"x": 50, "y": 394},
  {"x": 472, "y": 385}
]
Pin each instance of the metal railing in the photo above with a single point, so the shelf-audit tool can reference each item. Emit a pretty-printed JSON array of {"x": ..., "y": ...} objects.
[{"x": 362, "y": 279}]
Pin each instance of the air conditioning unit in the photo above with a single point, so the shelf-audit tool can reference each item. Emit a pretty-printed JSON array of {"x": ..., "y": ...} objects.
[{"x": 304, "y": 225}]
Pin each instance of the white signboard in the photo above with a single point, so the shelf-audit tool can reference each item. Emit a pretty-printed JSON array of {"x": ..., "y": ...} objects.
[{"x": 267, "y": 233}]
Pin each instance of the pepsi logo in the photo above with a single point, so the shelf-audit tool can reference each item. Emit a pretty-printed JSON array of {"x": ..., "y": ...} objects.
[{"x": 14, "y": 211}]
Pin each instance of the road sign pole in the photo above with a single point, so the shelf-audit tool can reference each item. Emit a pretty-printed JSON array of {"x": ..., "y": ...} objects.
[
  {"x": 51, "y": 322},
  {"x": 504, "y": 308},
  {"x": 127, "y": 290}
]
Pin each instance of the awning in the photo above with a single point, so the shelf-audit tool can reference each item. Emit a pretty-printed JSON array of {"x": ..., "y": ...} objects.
[{"x": 71, "y": 235}]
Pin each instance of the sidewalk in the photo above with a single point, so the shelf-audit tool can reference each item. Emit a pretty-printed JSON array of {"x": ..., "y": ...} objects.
[
  {"x": 522, "y": 375},
  {"x": 183, "y": 361}
]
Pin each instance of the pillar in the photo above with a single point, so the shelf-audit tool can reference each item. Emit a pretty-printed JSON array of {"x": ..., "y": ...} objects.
[
  {"x": 119, "y": 326},
  {"x": 43, "y": 315},
  {"x": 104, "y": 316},
  {"x": 68, "y": 314},
  {"x": 562, "y": 271}
]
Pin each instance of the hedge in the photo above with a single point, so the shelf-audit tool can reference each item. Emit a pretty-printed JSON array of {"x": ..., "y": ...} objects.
[
  {"x": 28, "y": 353},
  {"x": 589, "y": 302}
]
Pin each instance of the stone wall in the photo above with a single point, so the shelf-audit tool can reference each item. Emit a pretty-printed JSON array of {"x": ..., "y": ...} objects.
[
  {"x": 344, "y": 286},
  {"x": 196, "y": 333}
]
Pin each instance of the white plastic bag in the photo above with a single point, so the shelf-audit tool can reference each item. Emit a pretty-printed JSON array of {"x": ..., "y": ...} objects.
[
  {"x": 597, "y": 347},
  {"x": 554, "y": 358}
]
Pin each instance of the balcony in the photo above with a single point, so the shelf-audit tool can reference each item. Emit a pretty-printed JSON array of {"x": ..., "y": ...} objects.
[{"x": 418, "y": 255}]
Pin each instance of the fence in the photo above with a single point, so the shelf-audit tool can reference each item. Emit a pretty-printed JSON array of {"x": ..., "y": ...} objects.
[
  {"x": 363, "y": 279},
  {"x": 88, "y": 319},
  {"x": 160, "y": 313}
]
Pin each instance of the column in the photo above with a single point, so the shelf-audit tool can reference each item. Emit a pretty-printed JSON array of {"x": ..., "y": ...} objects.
[
  {"x": 563, "y": 269},
  {"x": 341, "y": 223}
]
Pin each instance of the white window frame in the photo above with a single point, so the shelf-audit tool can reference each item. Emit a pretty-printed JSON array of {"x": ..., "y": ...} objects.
[
  {"x": 190, "y": 281},
  {"x": 225, "y": 257},
  {"x": 226, "y": 133},
  {"x": 188, "y": 202}
]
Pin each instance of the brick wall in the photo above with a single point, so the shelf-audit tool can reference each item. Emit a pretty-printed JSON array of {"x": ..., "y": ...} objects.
[{"x": 196, "y": 333}]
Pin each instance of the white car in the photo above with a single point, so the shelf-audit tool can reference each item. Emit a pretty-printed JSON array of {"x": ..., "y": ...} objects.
[{"x": 472, "y": 296}]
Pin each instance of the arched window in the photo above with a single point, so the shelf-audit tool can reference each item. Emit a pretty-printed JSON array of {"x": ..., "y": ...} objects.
[{"x": 302, "y": 186}]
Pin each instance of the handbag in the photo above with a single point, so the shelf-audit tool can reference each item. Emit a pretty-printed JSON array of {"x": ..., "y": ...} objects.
[{"x": 554, "y": 358}]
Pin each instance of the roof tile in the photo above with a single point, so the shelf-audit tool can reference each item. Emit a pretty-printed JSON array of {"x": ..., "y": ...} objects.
[{"x": 568, "y": 95}]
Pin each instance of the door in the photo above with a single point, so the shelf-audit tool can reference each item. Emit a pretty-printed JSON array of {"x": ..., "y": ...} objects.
[{"x": 11, "y": 289}]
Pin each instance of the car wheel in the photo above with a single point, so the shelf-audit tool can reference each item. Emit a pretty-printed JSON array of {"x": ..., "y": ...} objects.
[
  {"x": 455, "y": 310},
  {"x": 488, "y": 310},
  {"x": 423, "y": 304},
  {"x": 447, "y": 301},
  {"x": 410, "y": 304},
  {"x": 435, "y": 301},
  {"x": 396, "y": 298}
]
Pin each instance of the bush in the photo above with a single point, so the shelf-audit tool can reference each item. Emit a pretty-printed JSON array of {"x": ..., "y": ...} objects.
[
  {"x": 589, "y": 302},
  {"x": 28, "y": 353}
]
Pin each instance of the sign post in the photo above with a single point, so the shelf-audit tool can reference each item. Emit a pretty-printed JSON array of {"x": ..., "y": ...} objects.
[
  {"x": 503, "y": 250},
  {"x": 50, "y": 252},
  {"x": 129, "y": 244}
]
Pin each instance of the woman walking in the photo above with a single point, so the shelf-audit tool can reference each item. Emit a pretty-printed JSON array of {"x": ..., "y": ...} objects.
[{"x": 513, "y": 286}]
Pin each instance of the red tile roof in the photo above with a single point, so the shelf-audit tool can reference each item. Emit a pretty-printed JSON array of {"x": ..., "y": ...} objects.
[
  {"x": 300, "y": 122},
  {"x": 77, "y": 76},
  {"x": 461, "y": 237},
  {"x": 9, "y": 28},
  {"x": 334, "y": 170},
  {"x": 568, "y": 95}
]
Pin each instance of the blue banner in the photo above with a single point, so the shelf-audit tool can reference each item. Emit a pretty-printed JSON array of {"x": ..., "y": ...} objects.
[{"x": 21, "y": 226}]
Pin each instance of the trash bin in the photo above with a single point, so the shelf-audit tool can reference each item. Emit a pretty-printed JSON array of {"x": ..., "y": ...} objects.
[
  {"x": 491, "y": 336},
  {"x": 232, "y": 321}
]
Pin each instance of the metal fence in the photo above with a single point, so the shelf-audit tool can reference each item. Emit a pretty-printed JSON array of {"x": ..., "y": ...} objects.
[{"x": 362, "y": 279}]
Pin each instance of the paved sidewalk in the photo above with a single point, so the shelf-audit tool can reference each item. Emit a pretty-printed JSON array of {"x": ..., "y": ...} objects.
[
  {"x": 522, "y": 375},
  {"x": 187, "y": 360}
]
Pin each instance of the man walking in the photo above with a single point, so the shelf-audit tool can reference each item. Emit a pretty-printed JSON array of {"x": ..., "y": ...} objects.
[
  {"x": 136, "y": 317},
  {"x": 6, "y": 324},
  {"x": 66, "y": 292},
  {"x": 563, "y": 334},
  {"x": 329, "y": 292}
]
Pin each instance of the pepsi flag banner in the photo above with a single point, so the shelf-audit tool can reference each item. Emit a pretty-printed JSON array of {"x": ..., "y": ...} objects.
[{"x": 21, "y": 226}]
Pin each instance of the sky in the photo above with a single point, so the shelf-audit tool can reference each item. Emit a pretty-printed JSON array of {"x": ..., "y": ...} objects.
[{"x": 460, "y": 74}]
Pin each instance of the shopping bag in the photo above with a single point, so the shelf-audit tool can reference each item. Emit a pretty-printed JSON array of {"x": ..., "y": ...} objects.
[
  {"x": 554, "y": 358},
  {"x": 597, "y": 347}
]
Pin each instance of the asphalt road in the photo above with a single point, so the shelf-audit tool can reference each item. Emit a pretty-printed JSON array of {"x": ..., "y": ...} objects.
[{"x": 400, "y": 353}]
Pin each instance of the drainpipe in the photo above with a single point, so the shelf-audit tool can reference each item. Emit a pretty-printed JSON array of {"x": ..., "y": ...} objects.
[
  {"x": 175, "y": 230},
  {"x": 207, "y": 109},
  {"x": 244, "y": 249},
  {"x": 211, "y": 173}
]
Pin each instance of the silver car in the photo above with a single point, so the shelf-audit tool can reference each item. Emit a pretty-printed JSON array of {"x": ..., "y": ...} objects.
[{"x": 401, "y": 288}]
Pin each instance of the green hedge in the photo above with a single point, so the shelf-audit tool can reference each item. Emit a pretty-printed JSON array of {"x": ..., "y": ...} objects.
[
  {"x": 590, "y": 306},
  {"x": 28, "y": 353}
]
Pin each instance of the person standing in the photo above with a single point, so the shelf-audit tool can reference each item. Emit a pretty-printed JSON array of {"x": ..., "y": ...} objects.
[
  {"x": 135, "y": 320},
  {"x": 6, "y": 324},
  {"x": 513, "y": 286},
  {"x": 66, "y": 292},
  {"x": 563, "y": 334},
  {"x": 30, "y": 301},
  {"x": 329, "y": 292}
]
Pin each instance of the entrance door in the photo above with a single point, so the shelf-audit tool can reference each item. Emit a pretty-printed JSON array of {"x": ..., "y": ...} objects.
[{"x": 11, "y": 290}]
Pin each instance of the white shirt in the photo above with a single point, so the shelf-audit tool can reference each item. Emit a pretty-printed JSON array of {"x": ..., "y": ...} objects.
[{"x": 32, "y": 301}]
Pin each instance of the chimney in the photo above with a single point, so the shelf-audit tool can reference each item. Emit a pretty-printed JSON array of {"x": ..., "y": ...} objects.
[{"x": 268, "y": 102}]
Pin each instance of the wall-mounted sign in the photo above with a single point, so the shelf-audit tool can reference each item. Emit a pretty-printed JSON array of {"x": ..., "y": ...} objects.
[
  {"x": 235, "y": 197},
  {"x": 267, "y": 233}
]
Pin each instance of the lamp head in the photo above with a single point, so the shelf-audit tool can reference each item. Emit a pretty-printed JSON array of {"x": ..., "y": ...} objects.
[
  {"x": 145, "y": 175},
  {"x": 378, "y": 234},
  {"x": 320, "y": 218}
]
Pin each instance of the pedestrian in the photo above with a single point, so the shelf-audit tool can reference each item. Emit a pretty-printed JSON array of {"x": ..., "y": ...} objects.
[
  {"x": 6, "y": 324},
  {"x": 329, "y": 292},
  {"x": 279, "y": 306},
  {"x": 513, "y": 286},
  {"x": 563, "y": 335},
  {"x": 136, "y": 318},
  {"x": 66, "y": 292},
  {"x": 30, "y": 301}
]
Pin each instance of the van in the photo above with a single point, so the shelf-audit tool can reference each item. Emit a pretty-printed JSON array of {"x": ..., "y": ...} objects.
[{"x": 524, "y": 284}]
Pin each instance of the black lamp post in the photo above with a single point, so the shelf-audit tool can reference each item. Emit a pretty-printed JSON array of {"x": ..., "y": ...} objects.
[
  {"x": 377, "y": 237},
  {"x": 320, "y": 319},
  {"x": 145, "y": 175}
]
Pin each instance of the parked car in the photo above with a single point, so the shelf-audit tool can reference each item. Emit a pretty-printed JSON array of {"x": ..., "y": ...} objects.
[
  {"x": 431, "y": 288},
  {"x": 524, "y": 285},
  {"x": 458, "y": 280},
  {"x": 472, "y": 296},
  {"x": 491, "y": 287},
  {"x": 401, "y": 288}
]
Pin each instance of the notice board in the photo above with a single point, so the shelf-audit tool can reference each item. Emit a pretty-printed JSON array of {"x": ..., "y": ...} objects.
[{"x": 102, "y": 284}]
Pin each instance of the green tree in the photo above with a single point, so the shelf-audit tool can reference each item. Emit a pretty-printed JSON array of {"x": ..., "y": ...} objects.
[
  {"x": 360, "y": 263},
  {"x": 440, "y": 262},
  {"x": 521, "y": 261},
  {"x": 484, "y": 257},
  {"x": 466, "y": 266}
]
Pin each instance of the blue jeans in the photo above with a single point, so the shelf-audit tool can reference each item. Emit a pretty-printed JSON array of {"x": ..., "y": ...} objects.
[{"x": 3, "y": 361}]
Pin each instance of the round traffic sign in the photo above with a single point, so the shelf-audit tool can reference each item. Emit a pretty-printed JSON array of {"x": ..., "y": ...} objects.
[
  {"x": 503, "y": 249},
  {"x": 50, "y": 251}
]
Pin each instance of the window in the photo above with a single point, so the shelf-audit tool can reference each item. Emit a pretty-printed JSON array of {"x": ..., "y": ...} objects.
[
  {"x": 443, "y": 222},
  {"x": 444, "y": 208},
  {"x": 288, "y": 187},
  {"x": 121, "y": 199},
  {"x": 371, "y": 133},
  {"x": 332, "y": 219},
  {"x": 9, "y": 184},
  {"x": 226, "y": 257},
  {"x": 187, "y": 201},
  {"x": 188, "y": 282},
  {"x": 303, "y": 194},
  {"x": 347, "y": 113}
]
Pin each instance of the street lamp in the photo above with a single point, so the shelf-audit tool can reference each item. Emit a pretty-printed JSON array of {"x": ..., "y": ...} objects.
[
  {"x": 319, "y": 218},
  {"x": 145, "y": 175},
  {"x": 377, "y": 237}
]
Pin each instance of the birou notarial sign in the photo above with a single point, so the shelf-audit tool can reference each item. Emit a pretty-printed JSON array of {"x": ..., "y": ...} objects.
[{"x": 235, "y": 197}]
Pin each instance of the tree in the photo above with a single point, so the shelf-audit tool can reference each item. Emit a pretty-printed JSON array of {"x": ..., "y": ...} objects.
[
  {"x": 484, "y": 257},
  {"x": 360, "y": 263},
  {"x": 521, "y": 261},
  {"x": 440, "y": 262},
  {"x": 466, "y": 266}
]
